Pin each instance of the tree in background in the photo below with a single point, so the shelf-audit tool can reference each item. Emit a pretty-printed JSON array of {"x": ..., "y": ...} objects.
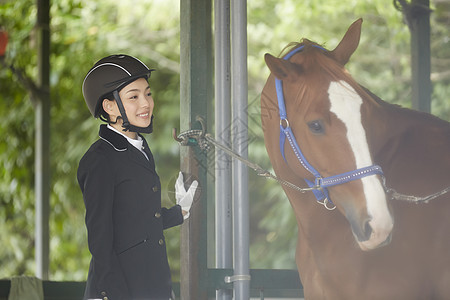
[{"x": 84, "y": 31}]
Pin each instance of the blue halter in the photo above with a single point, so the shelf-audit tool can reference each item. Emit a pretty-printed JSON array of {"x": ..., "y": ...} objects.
[{"x": 320, "y": 185}]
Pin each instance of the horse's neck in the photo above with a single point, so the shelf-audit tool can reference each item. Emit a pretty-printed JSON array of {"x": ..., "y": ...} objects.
[
  {"x": 397, "y": 128},
  {"x": 411, "y": 145}
]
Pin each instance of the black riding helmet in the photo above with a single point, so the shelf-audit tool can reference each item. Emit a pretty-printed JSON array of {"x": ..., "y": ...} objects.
[{"x": 108, "y": 76}]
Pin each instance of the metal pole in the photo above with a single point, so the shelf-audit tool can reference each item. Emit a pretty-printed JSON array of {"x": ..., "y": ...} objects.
[
  {"x": 240, "y": 144},
  {"x": 223, "y": 162},
  {"x": 419, "y": 25},
  {"x": 195, "y": 93},
  {"x": 42, "y": 152}
]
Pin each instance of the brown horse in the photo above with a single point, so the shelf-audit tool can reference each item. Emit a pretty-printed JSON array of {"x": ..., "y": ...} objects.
[{"x": 371, "y": 246}]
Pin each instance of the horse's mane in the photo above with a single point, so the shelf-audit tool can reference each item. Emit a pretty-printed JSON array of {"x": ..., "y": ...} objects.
[{"x": 316, "y": 58}]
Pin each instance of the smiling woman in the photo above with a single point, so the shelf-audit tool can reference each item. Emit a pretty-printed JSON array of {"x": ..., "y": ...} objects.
[
  {"x": 137, "y": 101},
  {"x": 122, "y": 190}
]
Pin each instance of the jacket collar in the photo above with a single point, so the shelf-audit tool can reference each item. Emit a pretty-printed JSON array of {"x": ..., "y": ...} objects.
[
  {"x": 120, "y": 143},
  {"x": 117, "y": 141}
]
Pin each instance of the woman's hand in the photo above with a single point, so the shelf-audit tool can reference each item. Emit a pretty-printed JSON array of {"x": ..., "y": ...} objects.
[{"x": 185, "y": 198}]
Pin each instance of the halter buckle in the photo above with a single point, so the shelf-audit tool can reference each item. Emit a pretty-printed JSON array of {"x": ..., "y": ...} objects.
[{"x": 319, "y": 182}]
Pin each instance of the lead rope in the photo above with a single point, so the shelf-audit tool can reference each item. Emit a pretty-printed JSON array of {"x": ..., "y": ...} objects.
[
  {"x": 198, "y": 137},
  {"x": 409, "y": 198},
  {"x": 259, "y": 171}
]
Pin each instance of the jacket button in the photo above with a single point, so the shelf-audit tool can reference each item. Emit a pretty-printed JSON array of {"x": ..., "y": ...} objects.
[
  {"x": 155, "y": 188},
  {"x": 161, "y": 242},
  {"x": 157, "y": 215}
]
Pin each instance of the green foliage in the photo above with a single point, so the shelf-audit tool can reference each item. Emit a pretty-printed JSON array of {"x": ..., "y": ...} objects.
[
  {"x": 84, "y": 31},
  {"x": 16, "y": 154}
]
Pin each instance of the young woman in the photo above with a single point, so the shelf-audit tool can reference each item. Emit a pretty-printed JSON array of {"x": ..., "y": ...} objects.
[{"x": 121, "y": 189}]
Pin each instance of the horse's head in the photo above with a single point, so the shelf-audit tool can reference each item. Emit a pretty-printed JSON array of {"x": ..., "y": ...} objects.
[{"x": 328, "y": 113}]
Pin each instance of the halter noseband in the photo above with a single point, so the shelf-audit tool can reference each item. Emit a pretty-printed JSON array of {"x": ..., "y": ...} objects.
[{"x": 320, "y": 185}]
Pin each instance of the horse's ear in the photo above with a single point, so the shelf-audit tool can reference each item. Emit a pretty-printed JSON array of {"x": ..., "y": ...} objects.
[
  {"x": 349, "y": 43},
  {"x": 281, "y": 68}
]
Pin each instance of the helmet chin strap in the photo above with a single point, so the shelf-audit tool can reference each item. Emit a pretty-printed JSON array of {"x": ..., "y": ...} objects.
[{"x": 125, "y": 123}]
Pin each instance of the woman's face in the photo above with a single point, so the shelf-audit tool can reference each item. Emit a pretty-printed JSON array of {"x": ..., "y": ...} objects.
[{"x": 138, "y": 103}]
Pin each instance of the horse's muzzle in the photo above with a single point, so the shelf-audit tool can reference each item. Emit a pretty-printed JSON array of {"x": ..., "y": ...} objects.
[
  {"x": 361, "y": 231},
  {"x": 377, "y": 238},
  {"x": 367, "y": 234}
]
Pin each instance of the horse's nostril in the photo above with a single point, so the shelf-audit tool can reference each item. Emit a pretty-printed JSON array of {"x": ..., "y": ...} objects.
[{"x": 367, "y": 230}]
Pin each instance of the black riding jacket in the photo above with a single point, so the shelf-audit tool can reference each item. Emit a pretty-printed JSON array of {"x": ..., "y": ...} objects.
[{"x": 125, "y": 221}]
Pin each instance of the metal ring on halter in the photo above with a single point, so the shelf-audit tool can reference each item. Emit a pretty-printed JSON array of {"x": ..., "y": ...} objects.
[
  {"x": 325, "y": 204},
  {"x": 286, "y": 122}
]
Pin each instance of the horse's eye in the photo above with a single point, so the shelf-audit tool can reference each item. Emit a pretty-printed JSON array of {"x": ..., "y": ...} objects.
[{"x": 316, "y": 127}]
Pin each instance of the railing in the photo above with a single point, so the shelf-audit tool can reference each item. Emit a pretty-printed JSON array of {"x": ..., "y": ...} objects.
[
  {"x": 264, "y": 283},
  {"x": 53, "y": 290}
]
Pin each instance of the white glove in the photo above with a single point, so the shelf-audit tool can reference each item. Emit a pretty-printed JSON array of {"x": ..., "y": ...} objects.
[{"x": 185, "y": 198}]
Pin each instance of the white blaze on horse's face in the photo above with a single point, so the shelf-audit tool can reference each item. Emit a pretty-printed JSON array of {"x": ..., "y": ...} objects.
[{"x": 346, "y": 104}]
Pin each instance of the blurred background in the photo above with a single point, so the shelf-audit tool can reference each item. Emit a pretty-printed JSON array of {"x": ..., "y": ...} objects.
[{"x": 84, "y": 31}]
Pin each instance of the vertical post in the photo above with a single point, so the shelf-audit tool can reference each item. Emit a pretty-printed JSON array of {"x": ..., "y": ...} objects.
[
  {"x": 240, "y": 145},
  {"x": 224, "y": 242},
  {"x": 195, "y": 93},
  {"x": 42, "y": 152},
  {"x": 419, "y": 25}
]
